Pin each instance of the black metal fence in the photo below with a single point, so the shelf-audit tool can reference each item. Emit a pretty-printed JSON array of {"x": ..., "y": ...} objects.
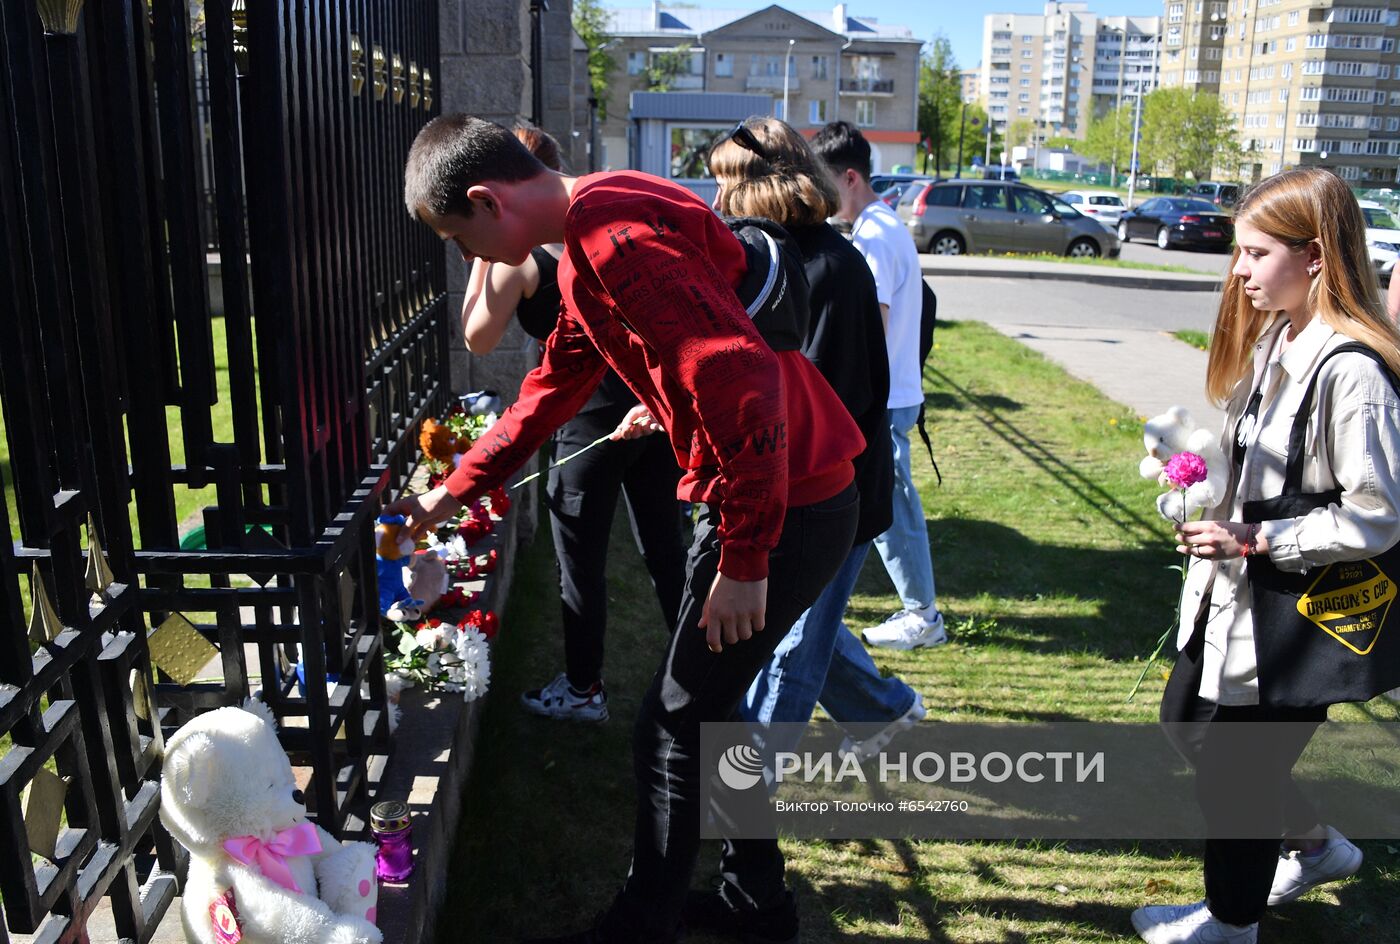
[{"x": 190, "y": 498}]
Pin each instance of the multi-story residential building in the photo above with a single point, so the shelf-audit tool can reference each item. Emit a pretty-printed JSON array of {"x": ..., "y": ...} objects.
[
  {"x": 1063, "y": 67},
  {"x": 1315, "y": 82},
  {"x": 1193, "y": 44},
  {"x": 971, "y": 80},
  {"x": 816, "y": 67}
]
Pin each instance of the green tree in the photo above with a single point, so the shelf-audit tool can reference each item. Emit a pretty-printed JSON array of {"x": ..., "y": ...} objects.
[
  {"x": 591, "y": 24},
  {"x": 667, "y": 66},
  {"x": 1109, "y": 140},
  {"x": 1190, "y": 133},
  {"x": 1019, "y": 131},
  {"x": 940, "y": 100}
]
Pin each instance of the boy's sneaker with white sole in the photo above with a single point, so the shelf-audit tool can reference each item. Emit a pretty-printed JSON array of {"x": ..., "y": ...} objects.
[
  {"x": 1189, "y": 924},
  {"x": 1299, "y": 872},
  {"x": 873, "y": 745},
  {"x": 561, "y": 701},
  {"x": 906, "y": 630}
]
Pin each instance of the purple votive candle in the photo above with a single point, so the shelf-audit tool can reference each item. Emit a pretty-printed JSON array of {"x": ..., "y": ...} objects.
[{"x": 393, "y": 831}]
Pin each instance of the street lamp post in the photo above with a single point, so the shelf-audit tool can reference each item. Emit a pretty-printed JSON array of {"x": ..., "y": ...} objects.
[
  {"x": 1137, "y": 137},
  {"x": 787, "y": 70}
]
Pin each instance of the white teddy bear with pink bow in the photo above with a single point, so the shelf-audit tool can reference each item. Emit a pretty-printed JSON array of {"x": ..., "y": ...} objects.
[
  {"x": 1175, "y": 434},
  {"x": 260, "y": 872}
]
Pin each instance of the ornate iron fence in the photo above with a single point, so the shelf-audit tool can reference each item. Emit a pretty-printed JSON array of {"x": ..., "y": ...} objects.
[{"x": 135, "y": 422}]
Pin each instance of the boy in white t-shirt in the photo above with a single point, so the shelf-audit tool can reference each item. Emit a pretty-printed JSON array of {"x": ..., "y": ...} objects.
[{"x": 889, "y": 250}]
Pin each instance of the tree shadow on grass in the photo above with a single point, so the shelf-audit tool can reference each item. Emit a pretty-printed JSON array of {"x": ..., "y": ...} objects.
[{"x": 1131, "y": 592}]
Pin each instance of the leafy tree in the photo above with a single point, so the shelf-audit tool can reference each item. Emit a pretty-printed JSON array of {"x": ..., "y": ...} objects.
[
  {"x": 1019, "y": 131},
  {"x": 591, "y": 24},
  {"x": 667, "y": 66},
  {"x": 1190, "y": 132},
  {"x": 1109, "y": 140},
  {"x": 940, "y": 100}
]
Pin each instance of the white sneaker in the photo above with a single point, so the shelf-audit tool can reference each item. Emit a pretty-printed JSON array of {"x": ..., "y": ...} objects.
[
  {"x": 1189, "y": 924},
  {"x": 559, "y": 700},
  {"x": 906, "y": 630},
  {"x": 873, "y": 745},
  {"x": 1298, "y": 874}
]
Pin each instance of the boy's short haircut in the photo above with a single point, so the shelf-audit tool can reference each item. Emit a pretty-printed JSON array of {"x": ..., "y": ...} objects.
[
  {"x": 455, "y": 152},
  {"x": 843, "y": 147}
]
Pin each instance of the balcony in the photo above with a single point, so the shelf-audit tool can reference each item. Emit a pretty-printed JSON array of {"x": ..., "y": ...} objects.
[
  {"x": 868, "y": 86},
  {"x": 687, "y": 83},
  {"x": 771, "y": 83}
]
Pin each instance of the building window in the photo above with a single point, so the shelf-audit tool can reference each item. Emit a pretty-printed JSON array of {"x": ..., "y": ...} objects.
[
  {"x": 865, "y": 112},
  {"x": 636, "y": 63},
  {"x": 819, "y": 67},
  {"x": 724, "y": 64},
  {"x": 1026, "y": 53},
  {"x": 779, "y": 112},
  {"x": 1025, "y": 68},
  {"x": 816, "y": 112},
  {"x": 689, "y": 146}
]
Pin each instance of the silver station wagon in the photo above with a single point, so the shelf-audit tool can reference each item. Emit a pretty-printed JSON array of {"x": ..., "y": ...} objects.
[{"x": 959, "y": 216}]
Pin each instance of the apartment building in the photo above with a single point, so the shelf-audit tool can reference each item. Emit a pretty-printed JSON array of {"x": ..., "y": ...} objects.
[
  {"x": 1063, "y": 67},
  {"x": 1193, "y": 44},
  {"x": 971, "y": 82},
  {"x": 1315, "y": 82},
  {"x": 815, "y": 67}
]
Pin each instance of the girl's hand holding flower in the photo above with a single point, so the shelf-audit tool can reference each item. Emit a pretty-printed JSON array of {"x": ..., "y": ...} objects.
[{"x": 1219, "y": 540}]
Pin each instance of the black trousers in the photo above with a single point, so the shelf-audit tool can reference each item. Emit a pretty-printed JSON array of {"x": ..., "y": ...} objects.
[
  {"x": 1244, "y": 784},
  {"x": 694, "y": 686},
  {"x": 582, "y": 498}
]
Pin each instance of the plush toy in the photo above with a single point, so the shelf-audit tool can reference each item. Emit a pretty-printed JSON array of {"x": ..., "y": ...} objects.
[
  {"x": 427, "y": 579},
  {"x": 393, "y": 556},
  {"x": 1170, "y": 434},
  {"x": 260, "y": 872}
]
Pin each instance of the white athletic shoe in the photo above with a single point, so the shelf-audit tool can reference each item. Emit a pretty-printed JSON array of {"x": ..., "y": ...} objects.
[
  {"x": 873, "y": 745},
  {"x": 906, "y": 630},
  {"x": 1189, "y": 924},
  {"x": 1298, "y": 874},
  {"x": 559, "y": 700}
]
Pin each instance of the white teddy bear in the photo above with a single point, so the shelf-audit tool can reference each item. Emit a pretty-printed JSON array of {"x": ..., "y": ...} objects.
[
  {"x": 260, "y": 872},
  {"x": 1175, "y": 432}
]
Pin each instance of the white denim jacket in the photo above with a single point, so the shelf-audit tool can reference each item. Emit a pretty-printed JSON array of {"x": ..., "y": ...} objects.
[{"x": 1359, "y": 453}]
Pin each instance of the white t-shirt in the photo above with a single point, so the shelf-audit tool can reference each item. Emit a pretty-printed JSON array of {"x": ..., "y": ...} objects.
[{"x": 889, "y": 251}]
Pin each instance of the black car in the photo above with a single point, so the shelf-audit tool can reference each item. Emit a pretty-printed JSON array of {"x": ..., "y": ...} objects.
[{"x": 1178, "y": 222}]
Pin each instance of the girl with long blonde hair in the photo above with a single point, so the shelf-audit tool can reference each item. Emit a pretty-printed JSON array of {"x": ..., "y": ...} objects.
[{"x": 1300, "y": 287}]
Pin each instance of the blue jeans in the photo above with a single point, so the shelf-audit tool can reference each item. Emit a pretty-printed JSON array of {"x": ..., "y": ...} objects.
[
  {"x": 904, "y": 547},
  {"x": 819, "y": 660}
]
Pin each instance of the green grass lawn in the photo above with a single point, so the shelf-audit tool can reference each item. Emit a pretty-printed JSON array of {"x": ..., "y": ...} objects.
[
  {"x": 1099, "y": 261},
  {"x": 1050, "y": 562},
  {"x": 1200, "y": 340}
]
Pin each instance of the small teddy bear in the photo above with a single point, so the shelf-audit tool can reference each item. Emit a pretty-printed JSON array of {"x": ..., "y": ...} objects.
[
  {"x": 1170, "y": 434},
  {"x": 393, "y": 555},
  {"x": 260, "y": 872}
]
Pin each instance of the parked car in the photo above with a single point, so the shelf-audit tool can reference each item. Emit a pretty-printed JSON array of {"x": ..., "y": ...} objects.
[
  {"x": 882, "y": 182},
  {"x": 1103, "y": 205},
  {"x": 958, "y": 216},
  {"x": 1382, "y": 239},
  {"x": 1000, "y": 172},
  {"x": 1176, "y": 222},
  {"x": 1221, "y": 195},
  {"x": 891, "y": 194}
]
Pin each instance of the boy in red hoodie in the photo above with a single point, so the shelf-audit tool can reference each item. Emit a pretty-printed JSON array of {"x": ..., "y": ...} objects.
[{"x": 648, "y": 280}]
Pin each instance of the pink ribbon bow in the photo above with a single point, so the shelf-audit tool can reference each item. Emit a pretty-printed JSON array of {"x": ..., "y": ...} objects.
[{"x": 270, "y": 857}]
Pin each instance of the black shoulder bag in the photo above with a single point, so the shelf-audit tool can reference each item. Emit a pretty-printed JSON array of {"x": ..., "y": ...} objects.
[{"x": 1332, "y": 634}]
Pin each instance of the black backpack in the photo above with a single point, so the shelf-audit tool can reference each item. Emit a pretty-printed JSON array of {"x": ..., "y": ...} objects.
[
  {"x": 774, "y": 289},
  {"x": 928, "y": 320}
]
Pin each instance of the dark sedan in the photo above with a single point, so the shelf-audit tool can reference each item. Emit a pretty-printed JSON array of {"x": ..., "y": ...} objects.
[{"x": 1175, "y": 222}]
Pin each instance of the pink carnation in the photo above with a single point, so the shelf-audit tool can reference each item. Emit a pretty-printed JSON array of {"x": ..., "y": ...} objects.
[{"x": 1185, "y": 469}]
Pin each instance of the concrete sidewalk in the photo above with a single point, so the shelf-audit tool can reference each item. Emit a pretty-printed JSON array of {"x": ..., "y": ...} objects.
[{"x": 1001, "y": 267}]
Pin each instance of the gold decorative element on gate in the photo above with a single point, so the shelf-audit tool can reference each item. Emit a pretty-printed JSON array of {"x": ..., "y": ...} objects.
[
  {"x": 427, "y": 90},
  {"x": 238, "y": 10},
  {"x": 179, "y": 650},
  {"x": 415, "y": 88},
  {"x": 99, "y": 574},
  {"x": 60, "y": 16},
  {"x": 44, "y": 624},
  {"x": 357, "y": 65},
  {"x": 43, "y": 812},
  {"x": 381, "y": 71},
  {"x": 396, "y": 75}
]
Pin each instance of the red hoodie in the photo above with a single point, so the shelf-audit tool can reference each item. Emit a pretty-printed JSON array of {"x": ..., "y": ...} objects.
[{"x": 648, "y": 278}]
